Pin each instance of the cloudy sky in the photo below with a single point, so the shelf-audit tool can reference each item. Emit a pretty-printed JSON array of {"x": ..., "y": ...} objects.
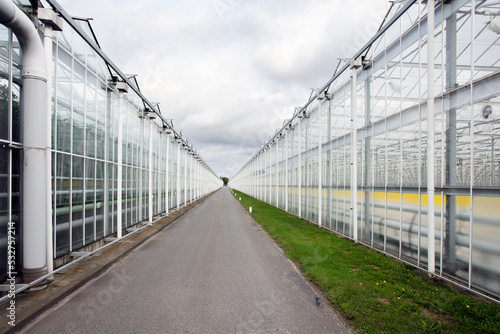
[{"x": 228, "y": 72}]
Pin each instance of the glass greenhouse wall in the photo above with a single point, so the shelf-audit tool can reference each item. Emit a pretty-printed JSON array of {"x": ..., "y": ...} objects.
[
  {"x": 110, "y": 146},
  {"x": 400, "y": 149}
]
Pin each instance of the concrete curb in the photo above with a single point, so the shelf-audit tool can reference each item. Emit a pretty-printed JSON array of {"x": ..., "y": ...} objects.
[{"x": 30, "y": 305}]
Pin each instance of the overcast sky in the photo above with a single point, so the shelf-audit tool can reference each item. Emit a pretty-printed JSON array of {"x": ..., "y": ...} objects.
[{"x": 228, "y": 72}]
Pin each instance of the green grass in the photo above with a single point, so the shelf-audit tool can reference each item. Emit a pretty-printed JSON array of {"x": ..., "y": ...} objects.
[{"x": 374, "y": 292}]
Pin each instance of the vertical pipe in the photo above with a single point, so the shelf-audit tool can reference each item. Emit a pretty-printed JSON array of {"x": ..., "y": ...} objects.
[
  {"x": 264, "y": 175},
  {"x": 430, "y": 137},
  {"x": 141, "y": 170},
  {"x": 299, "y": 167},
  {"x": 307, "y": 170},
  {"x": 450, "y": 241},
  {"x": 191, "y": 186},
  {"x": 47, "y": 44},
  {"x": 119, "y": 177},
  {"x": 178, "y": 186},
  {"x": 150, "y": 173},
  {"x": 159, "y": 171},
  {"x": 492, "y": 182},
  {"x": 185, "y": 153},
  {"x": 270, "y": 174},
  {"x": 320, "y": 102},
  {"x": 166, "y": 175},
  {"x": 329, "y": 162},
  {"x": 36, "y": 168},
  {"x": 286, "y": 171},
  {"x": 277, "y": 173},
  {"x": 354, "y": 160},
  {"x": 472, "y": 139},
  {"x": 368, "y": 181},
  {"x": 261, "y": 181},
  {"x": 293, "y": 180}
]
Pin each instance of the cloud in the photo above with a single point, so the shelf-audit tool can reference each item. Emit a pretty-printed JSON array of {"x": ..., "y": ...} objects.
[{"x": 228, "y": 72}]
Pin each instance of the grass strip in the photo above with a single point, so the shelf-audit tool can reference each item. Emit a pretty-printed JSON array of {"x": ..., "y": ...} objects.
[{"x": 373, "y": 291}]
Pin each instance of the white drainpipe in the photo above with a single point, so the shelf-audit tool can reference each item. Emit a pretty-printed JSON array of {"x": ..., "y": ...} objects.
[{"x": 35, "y": 172}]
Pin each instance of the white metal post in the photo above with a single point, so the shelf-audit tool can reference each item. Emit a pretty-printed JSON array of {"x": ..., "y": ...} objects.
[
  {"x": 430, "y": 137},
  {"x": 299, "y": 127},
  {"x": 191, "y": 183},
  {"x": 150, "y": 179},
  {"x": 52, "y": 22},
  {"x": 141, "y": 166},
  {"x": 198, "y": 178},
  {"x": 320, "y": 105},
  {"x": 286, "y": 170},
  {"x": 264, "y": 175},
  {"x": 185, "y": 175},
  {"x": 47, "y": 44},
  {"x": 354, "y": 149},
  {"x": 167, "y": 173},
  {"x": 158, "y": 172},
  {"x": 270, "y": 174},
  {"x": 277, "y": 173},
  {"x": 179, "y": 144},
  {"x": 119, "y": 177}
]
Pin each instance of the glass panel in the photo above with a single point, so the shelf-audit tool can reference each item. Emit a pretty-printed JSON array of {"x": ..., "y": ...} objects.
[
  {"x": 4, "y": 206},
  {"x": 4, "y": 109},
  {"x": 91, "y": 59},
  {"x": 486, "y": 238},
  {"x": 4, "y": 83},
  {"x": 110, "y": 224},
  {"x": 78, "y": 133},
  {"x": 63, "y": 187},
  {"x": 90, "y": 205},
  {"x": 63, "y": 113},
  {"x": 99, "y": 200},
  {"x": 90, "y": 116},
  {"x": 393, "y": 223},
  {"x": 17, "y": 119},
  {"x": 78, "y": 109},
  {"x": 79, "y": 47},
  {"x": 101, "y": 123},
  {"x": 410, "y": 219},
  {"x": 16, "y": 60},
  {"x": 64, "y": 38},
  {"x": 78, "y": 202},
  {"x": 111, "y": 126}
]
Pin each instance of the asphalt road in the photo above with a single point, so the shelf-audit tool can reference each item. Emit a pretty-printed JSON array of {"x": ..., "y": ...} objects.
[{"x": 213, "y": 271}]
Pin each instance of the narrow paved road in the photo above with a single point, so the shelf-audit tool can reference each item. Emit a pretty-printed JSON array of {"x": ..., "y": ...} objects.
[{"x": 213, "y": 271}]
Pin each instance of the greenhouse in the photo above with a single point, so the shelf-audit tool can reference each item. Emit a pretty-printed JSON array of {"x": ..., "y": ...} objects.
[
  {"x": 83, "y": 154},
  {"x": 400, "y": 150}
]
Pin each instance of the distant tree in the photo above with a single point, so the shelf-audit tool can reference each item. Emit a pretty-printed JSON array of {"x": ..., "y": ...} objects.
[{"x": 225, "y": 179}]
